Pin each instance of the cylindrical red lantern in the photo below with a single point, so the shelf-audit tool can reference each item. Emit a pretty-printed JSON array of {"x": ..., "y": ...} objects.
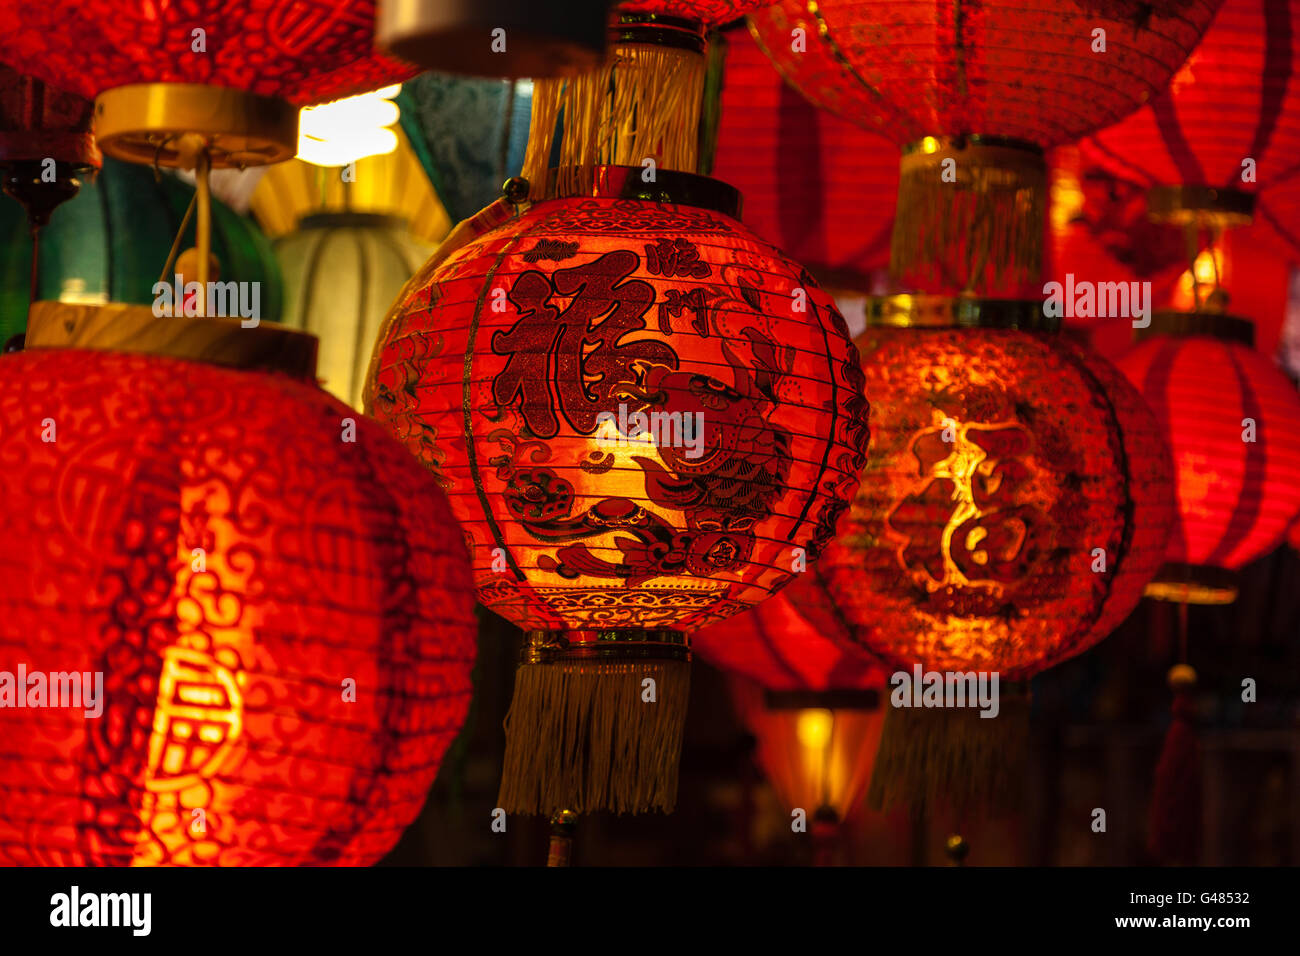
[
  {"x": 974, "y": 92},
  {"x": 814, "y": 184},
  {"x": 268, "y": 596},
  {"x": 1015, "y": 501},
  {"x": 812, "y": 702},
  {"x": 1232, "y": 420},
  {"x": 645, "y": 418}
]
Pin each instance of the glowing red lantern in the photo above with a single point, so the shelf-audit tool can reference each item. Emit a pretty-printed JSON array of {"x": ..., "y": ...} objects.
[
  {"x": 974, "y": 93},
  {"x": 272, "y": 593},
  {"x": 812, "y": 703},
  {"x": 1228, "y": 124},
  {"x": 234, "y": 71},
  {"x": 815, "y": 185},
  {"x": 644, "y": 417},
  {"x": 1232, "y": 419}
]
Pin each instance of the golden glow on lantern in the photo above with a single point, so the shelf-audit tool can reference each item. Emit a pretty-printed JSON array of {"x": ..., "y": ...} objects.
[
  {"x": 338, "y": 133},
  {"x": 814, "y": 728}
]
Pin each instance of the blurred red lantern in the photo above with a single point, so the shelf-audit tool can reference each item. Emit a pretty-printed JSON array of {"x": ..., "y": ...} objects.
[
  {"x": 812, "y": 703},
  {"x": 974, "y": 93},
  {"x": 644, "y": 417},
  {"x": 234, "y": 71},
  {"x": 267, "y": 594},
  {"x": 814, "y": 184},
  {"x": 1229, "y": 123},
  {"x": 1015, "y": 501},
  {"x": 1232, "y": 419}
]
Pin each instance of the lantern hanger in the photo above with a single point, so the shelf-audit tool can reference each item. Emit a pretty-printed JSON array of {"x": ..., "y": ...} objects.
[
  {"x": 669, "y": 186},
  {"x": 958, "y": 312}
]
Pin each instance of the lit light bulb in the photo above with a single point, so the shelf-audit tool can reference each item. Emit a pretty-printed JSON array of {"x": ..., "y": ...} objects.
[
  {"x": 338, "y": 133},
  {"x": 813, "y": 728}
]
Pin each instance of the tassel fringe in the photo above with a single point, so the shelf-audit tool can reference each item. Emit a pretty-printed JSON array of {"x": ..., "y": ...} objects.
[
  {"x": 643, "y": 104},
  {"x": 579, "y": 737},
  {"x": 980, "y": 232},
  {"x": 952, "y": 757}
]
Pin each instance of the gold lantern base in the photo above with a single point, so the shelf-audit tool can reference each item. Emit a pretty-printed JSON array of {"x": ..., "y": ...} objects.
[
  {"x": 958, "y": 312},
  {"x": 1196, "y": 205},
  {"x": 582, "y": 734},
  {"x": 1193, "y": 584},
  {"x": 169, "y": 123},
  {"x": 134, "y": 328}
]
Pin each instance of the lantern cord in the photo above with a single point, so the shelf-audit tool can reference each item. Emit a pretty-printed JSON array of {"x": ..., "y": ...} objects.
[
  {"x": 1174, "y": 819},
  {"x": 203, "y": 227},
  {"x": 560, "y": 850},
  {"x": 176, "y": 242},
  {"x": 36, "y": 269}
]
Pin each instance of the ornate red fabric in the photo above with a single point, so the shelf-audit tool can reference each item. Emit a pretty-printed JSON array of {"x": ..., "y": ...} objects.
[
  {"x": 210, "y": 542},
  {"x": 634, "y": 420},
  {"x": 304, "y": 51},
  {"x": 818, "y": 187},
  {"x": 915, "y": 68},
  {"x": 1236, "y": 98},
  {"x": 1236, "y": 497},
  {"x": 1015, "y": 502}
]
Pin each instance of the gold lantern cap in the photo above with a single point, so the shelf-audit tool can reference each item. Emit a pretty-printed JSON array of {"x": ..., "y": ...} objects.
[{"x": 925, "y": 311}]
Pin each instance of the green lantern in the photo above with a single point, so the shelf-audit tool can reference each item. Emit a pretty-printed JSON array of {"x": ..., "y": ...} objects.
[
  {"x": 342, "y": 271},
  {"x": 110, "y": 243}
]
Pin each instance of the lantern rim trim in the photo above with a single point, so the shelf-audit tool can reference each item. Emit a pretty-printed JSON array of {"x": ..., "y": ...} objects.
[
  {"x": 959, "y": 142},
  {"x": 134, "y": 329},
  {"x": 670, "y": 186},
  {"x": 1199, "y": 584},
  {"x": 841, "y": 699},
  {"x": 644, "y": 28},
  {"x": 348, "y": 218},
  {"x": 926, "y": 311},
  {"x": 1219, "y": 326},
  {"x": 1186, "y": 205},
  {"x": 145, "y": 123}
]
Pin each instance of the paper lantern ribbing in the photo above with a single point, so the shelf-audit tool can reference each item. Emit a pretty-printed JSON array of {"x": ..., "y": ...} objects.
[
  {"x": 653, "y": 408},
  {"x": 1232, "y": 420},
  {"x": 206, "y": 542},
  {"x": 1016, "y": 500},
  {"x": 973, "y": 92}
]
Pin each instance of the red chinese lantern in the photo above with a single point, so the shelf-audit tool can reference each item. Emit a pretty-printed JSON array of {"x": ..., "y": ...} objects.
[
  {"x": 813, "y": 703},
  {"x": 267, "y": 594},
  {"x": 1229, "y": 123},
  {"x": 815, "y": 185},
  {"x": 1232, "y": 420},
  {"x": 642, "y": 107},
  {"x": 974, "y": 93},
  {"x": 234, "y": 71},
  {"x": 644, "y": 416},
  {"x": 1015, "y": 501}
]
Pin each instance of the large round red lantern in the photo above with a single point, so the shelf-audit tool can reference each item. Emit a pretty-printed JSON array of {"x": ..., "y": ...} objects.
[
  {"x": 974, "y": 93},
  {"x": 253, "y": 604},
  {"x": 644, "y": 417},
  {"x": 1232, "y": 420},
  {"x": 1015, "y": 501}
]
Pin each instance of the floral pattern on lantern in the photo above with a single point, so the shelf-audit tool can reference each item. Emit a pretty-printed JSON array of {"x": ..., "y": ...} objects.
[
  {"x": 207, "y": 540},
  {"x": 587, "y": 326}
]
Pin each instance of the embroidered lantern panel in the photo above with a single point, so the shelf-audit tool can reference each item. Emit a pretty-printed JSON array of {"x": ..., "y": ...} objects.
[
  {"x": 276, "y": 603},
  {"x": 1016, "y": 501},
  {"x": 643, "y": 415}
]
